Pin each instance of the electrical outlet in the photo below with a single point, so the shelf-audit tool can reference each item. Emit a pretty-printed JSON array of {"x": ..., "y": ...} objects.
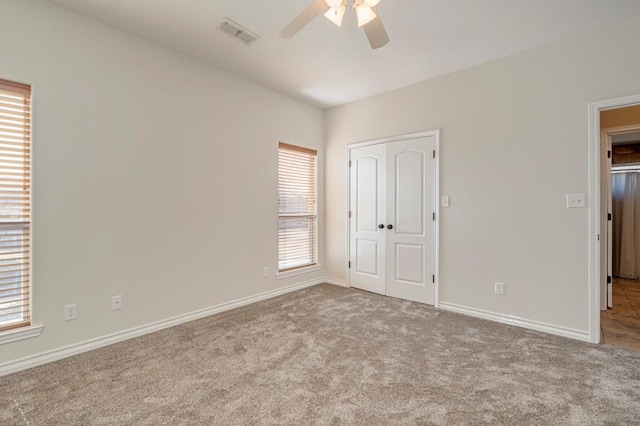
[
  {"x": 499, "y": 289},
  {"x": 575, "y": 201},
  {"x": 70, "y": 312},
  {"x": 265, "y": 271},
  {"x": 116, "y": 303}
]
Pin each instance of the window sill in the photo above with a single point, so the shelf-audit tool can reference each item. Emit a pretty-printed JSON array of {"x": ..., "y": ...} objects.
[
  {"x": 20, "y": 333},
  {"x": 299, "y": 271}
]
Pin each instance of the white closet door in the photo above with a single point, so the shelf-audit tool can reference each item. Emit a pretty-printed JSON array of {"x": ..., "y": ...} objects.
[
  {"x": 368, "y": 211},
  {"x": 391, "y": 227},
  {"x": 410, "y": 208}
]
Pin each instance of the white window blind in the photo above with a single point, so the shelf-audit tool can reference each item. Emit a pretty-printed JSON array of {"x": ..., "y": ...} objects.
[
  {"x": 15, "y": 204},
  {"x": 297, "y": 208}
]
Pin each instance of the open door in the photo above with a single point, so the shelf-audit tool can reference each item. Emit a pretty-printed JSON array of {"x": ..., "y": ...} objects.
[
  {"x": 606, "y": 244},
  {"x": 609, "y": 233}
]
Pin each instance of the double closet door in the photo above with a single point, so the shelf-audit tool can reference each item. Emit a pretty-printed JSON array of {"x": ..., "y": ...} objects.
[{"x": 392, "y": 213}]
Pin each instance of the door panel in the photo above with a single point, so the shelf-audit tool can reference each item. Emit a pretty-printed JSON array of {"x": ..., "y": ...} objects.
[
  {"x": 409, "y": 184},
  {"x": 410, "y": 207},
  {"x": 367, "y": 209},
  {"x": 367, "y": 184},
  {"x": 409, "y": 263},
  {"x": 367, "y": 257}
]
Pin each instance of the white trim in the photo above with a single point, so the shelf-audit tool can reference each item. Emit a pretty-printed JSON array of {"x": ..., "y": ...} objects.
[
  {"x": 625, "y": 167},
  {"x": 88, "y": 345},
  {"x": 621, "y": 130},
  {"x": 298, "y": 271},
  {"x": 347, "y": 258},
  {"x": 394, "y": 139},
  {"x": 436, "y": 256},
  {"x": 15, "y": 334},
  {"x": 517, "y": 321},
  {"x": 594, "y": 109},
  {"x": 333, "y": 281}
]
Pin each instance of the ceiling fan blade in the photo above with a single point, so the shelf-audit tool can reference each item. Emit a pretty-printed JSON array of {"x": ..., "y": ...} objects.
[
  {"x": 306, "y": 16},
  {"x": 376, "y": 33}
]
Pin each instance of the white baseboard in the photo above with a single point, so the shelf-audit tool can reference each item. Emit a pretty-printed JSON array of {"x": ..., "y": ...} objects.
[
  {"x": 89, "y": 345},
  {"x": 336, "y": 282},
  {"x": 519, "y": 322}
]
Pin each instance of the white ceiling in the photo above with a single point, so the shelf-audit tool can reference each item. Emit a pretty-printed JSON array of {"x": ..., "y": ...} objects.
[{"x": 328, "y": 66}]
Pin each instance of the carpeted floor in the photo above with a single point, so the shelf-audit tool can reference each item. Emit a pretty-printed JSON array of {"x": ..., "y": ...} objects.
[{"x": 327, "y": 356}]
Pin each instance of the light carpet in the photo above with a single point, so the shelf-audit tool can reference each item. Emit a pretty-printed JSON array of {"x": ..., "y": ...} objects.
[{"x": 329, "y": 356}]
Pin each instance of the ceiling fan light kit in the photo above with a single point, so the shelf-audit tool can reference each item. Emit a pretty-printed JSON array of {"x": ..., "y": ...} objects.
[
  {"x": 364, "y": 12},
  {"x": 335, "y": 14},
  {"x": 334, "y": 10}
]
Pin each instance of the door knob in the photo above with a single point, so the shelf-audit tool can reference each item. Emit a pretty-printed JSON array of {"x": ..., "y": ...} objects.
[
  {"x": 381, "y": 226},
  {"x": 389, "y": 226}
]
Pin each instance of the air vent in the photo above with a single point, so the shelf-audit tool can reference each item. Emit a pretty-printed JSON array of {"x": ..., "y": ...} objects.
[{"x": 238, "y": 32}]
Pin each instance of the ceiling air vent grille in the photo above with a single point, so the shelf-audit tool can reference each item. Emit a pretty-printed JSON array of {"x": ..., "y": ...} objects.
[{"x": 238, "y": 32}]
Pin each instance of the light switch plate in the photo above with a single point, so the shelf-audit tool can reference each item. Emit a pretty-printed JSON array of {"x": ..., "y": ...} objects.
[
  {"x": 445, "y": 201},
  {"x": 575, "y": 201}
]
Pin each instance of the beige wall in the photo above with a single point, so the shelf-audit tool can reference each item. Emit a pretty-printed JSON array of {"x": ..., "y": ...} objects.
[
  {"x": 514, "y": 143},
  {"x": 620, "y": 117},
  {"x": 155, "y": 175}
]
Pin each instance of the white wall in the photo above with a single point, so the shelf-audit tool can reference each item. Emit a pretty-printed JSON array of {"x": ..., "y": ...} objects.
[
  {"x": 154, "y": 175},
  {"x": 514, "y": 143}
]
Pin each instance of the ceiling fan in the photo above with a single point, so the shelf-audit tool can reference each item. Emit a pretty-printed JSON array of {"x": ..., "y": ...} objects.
[{"x": 334, "y": 10}]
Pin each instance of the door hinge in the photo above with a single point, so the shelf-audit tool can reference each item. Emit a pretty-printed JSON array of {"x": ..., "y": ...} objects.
[
  {"x": 608, "y": 279},
  {"x": 349, "y": 163},
  {"x": 349, "y": 214},
  {"x": 609, "y": 217},
  {"x": 608, "y": 154},
  {"x": 434, "y": 153},
  {"x": 434, "y": 216},
  {"x": 433, "y": 279},
  {"x": 349, "y": 264}
]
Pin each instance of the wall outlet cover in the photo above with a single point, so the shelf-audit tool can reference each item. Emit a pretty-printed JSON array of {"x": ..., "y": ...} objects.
[
  {"x": 575, "y": 201},
  {"x": 116, "y": 303},
  {"x": 70, "y": 312}
]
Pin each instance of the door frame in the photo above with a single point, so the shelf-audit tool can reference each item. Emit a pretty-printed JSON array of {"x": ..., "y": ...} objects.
[
  {"x": 436, "y": 198},
  {"x": 595, "y": 206}
]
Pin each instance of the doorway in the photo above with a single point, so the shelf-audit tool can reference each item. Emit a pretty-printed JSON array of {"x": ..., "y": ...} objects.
[
  {"x": 620, "y": 321},
  {"x": 620, "y": 227},
  {"x": 393, "y": 217}
]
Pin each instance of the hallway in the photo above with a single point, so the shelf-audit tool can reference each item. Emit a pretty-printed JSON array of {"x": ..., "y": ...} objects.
[{"x": 620, "y": 325}]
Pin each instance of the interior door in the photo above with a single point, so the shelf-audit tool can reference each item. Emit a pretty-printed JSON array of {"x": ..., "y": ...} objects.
[
  {"x": 410, "y": 209},
  {"x": 609, "y": 161},
  {"x": 392, "y": 233},
  {"x": 367, "y": 212}
]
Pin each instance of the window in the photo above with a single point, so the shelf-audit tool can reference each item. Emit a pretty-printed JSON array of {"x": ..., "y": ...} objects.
[
  {"x": 297, "y": 208},
  {"x": 15, "y": 204}
]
